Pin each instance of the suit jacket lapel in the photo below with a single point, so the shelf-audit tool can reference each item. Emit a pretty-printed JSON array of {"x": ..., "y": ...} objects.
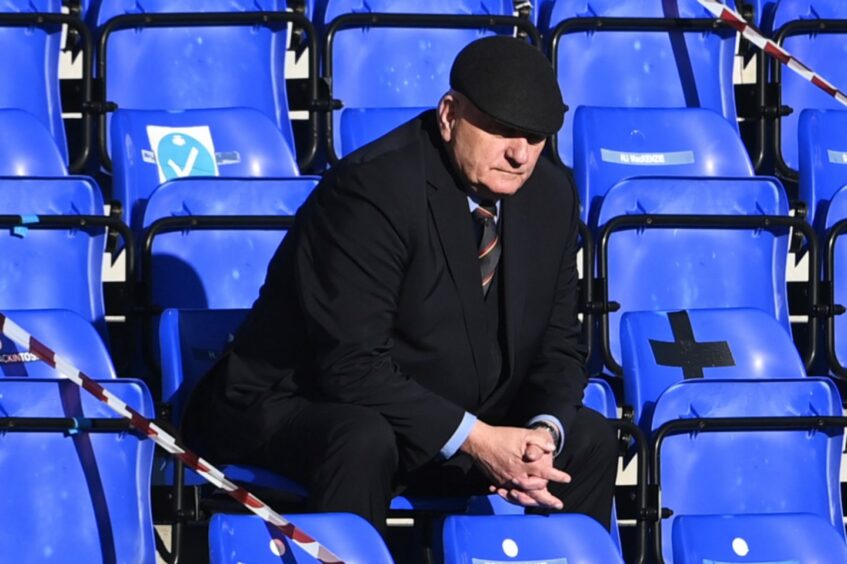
[{"x": 449, "y": 208}]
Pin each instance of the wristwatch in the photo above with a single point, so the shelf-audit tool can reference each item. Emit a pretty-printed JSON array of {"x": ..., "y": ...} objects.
[{"x": 549, "y": 427}]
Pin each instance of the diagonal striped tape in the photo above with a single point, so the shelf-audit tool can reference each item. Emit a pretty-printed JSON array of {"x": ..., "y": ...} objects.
[
  {"x": 737, "y": 22},
  {"x": 162, "y": 438}
]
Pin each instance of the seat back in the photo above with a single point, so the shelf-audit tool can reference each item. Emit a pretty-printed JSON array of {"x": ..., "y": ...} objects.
[
  {"x": 836, "y": 211},
  {"x": 661, "y": 348},
  {"x": 823, "y": 161},
  {"x": 198, "y": 66},
  {"x": 540, "y": 15},
  {"x": 790, "y": 537},
  {"x": 223, "y": 267},
  {"x": 527, "y": 538},
  {"x": 763, "y": 14},
  {"x": 29, "y": 70},
  {"x": 750, "y": 472},
  {"x": 191, "y": 341},
  {"x": 397, "y": 67},
  {"x": 611, "y": 144},
  {"x": 360, "y": 126},
  {"x": 92, "y": 489},
  {"x": 639, "y": 68},
  {"x": 150, "y": 148},
  {"x": 73, "y": 338},
  {"x": 598, "y": 395},
  {"x": 246, "y": 538},
  {"x": 669, "y": 268},
  {"x": 56, "y": 268},
  {"x": 27, "y": 146},
  {"x": 815, "y": 50}
]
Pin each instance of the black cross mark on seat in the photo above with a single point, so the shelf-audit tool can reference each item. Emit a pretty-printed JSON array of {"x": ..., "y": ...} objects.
[{"x": 687, "y": 353}]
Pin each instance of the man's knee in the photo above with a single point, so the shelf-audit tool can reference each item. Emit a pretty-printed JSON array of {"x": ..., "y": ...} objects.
[{"x": 367, "y": 440}]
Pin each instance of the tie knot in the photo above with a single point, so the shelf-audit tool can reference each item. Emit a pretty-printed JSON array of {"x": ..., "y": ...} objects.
[{"x": 486, "y": 211}]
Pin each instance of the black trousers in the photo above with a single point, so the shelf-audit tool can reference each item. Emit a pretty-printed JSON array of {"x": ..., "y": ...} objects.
[{"x": 347, "y": 457}]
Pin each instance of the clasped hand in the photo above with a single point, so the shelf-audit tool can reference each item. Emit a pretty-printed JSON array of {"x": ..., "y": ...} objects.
[{"x": 518, "y": 461}]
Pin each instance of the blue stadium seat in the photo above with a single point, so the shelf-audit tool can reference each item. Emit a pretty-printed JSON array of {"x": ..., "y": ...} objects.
[
  {"x": 611, "y": 144},
  {"x": 816, "y": 50},
  {"x": 526, "y": 538},
  {"x": 246, "y": 538},
  {"x": 749, "y": 472},
  {"x": 602, "y": 66},
  {"x": 184, "y": 66},
  {"x": 48, "y": 267},
  {"x": 150, "y": 148},
  {"x": 70, "y": 335},
  {"x": 540, "y": 15},
  {"x": 182, "y": 166},
  {"x": 29, "y": 69},
  {"x": 27, "y": 147},
  {"x": 823, "y": 162},
  {"x": 836, "y": 274},
  {"x": 190, "y": 342},
  {"x": 598, "y": 395},
  {"x": 663, "y": 268},
  {"x": 223, "y": 267},
  {"x": 395, "y": 67},
  {"x": 823, "y": 175},
  {"x": 360, "y": 126},
  {"x": 797, "y": 537},
  {"x": 77, "y": 497},
  {"x": 662, "y": 348}
]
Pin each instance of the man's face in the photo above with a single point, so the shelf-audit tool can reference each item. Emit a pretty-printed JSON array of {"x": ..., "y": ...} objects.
[{"x": 495, "y": 160}]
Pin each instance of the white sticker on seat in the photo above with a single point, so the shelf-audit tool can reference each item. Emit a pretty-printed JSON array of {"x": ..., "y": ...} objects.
[
  {"x": 181, "y": 152},
  {"x": 647, "y": 159}
]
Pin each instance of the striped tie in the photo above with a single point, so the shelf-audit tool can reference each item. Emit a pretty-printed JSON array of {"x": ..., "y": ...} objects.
[{"x": 489, "y": 244}]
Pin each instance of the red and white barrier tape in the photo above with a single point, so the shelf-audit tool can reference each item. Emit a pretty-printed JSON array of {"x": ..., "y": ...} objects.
[
  {"x": 167, "y": 442},
  {"x": 737, "y": 22}
]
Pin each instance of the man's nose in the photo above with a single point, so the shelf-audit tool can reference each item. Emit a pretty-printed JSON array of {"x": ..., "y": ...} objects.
[{"x": 518, "y": 151}]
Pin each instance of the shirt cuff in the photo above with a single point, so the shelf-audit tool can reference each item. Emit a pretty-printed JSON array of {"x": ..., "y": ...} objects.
[
  {"x": 459, "y": 436},
  {"x": 554, "y": 421}
]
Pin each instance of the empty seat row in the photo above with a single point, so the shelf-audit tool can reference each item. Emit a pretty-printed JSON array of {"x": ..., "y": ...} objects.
[{"x": 657, "y": 54}]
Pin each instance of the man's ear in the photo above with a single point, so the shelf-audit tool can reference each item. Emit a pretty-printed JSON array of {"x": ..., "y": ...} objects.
[{"x": 446, "y": 113}]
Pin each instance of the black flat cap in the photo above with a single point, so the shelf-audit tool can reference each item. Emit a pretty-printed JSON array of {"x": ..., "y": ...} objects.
[{"x": 511, "y": 81}]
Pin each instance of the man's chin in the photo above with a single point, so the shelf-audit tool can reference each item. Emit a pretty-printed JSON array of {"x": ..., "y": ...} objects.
[{"x": 504, "y": 190}]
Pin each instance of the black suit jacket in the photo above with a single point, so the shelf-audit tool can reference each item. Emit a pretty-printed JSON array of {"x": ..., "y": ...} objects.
[{"x": 374, "y": 298}]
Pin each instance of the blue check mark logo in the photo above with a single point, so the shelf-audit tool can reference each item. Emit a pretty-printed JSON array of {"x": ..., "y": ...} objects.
[
  {"x": 181, "y": 156},
  {"x": 186, "y": 169}
]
